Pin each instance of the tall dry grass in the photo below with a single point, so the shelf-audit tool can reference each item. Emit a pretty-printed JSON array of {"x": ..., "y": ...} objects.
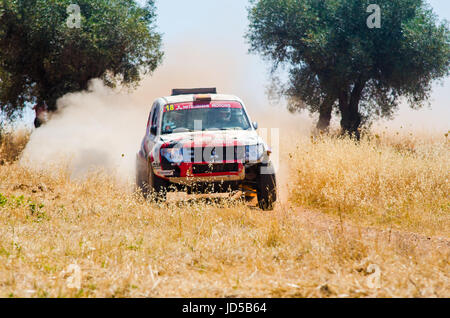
[
  {"x": 95, "y": 238},
  {"x": 12, "y": 143},
  {"x": 388, "y": 179}
]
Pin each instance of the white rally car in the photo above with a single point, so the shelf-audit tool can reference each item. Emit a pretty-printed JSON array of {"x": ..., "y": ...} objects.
[{"x": 199, "y": 141}]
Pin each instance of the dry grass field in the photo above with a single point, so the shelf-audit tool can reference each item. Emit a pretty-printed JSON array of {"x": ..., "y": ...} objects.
[
  {"x": 361, "y": 220},
  {"x": 398, "y": 181}
]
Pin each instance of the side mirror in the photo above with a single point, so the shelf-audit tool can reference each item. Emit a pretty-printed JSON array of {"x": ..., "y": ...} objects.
[
  {"x": 153, "y": 130},
  {"x": 255, "y": 125}
]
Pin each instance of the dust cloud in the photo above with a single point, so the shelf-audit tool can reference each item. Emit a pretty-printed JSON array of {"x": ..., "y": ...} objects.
[{"x": 102, "y": 128}]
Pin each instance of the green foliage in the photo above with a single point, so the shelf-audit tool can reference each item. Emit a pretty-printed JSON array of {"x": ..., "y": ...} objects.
[
  {"x": 35, "y": 209},
  {"x": 41, "y": 58},
  {"x": 3, "y": 200},
  {"x": 330, "y": 52}
]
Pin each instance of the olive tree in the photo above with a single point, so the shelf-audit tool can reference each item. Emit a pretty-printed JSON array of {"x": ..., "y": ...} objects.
[
  {"x": 49, "y": 48},
  {"x": 351, "y": 55}
]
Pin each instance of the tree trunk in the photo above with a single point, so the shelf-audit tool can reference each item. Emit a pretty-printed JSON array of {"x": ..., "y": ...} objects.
[
  {"x": 349, "y": 108},
  {"x": 325, "y": 114}
]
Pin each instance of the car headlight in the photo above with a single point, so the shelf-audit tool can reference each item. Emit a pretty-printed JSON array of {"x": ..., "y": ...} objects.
[
  {"x": 172, "y": 154},
  {"x": 254, "y": 152}
]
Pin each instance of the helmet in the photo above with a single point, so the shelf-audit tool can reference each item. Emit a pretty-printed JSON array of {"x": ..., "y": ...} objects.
[{"x": 224, "y": 113}]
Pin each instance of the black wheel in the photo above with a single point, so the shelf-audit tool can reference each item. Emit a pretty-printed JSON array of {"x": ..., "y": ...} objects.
[
  {"x": 267, "y": 191},
  {"x": 157, "y": 187}
]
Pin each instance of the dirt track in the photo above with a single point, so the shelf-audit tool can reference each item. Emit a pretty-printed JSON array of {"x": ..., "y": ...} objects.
[
  {"x": 401, "y": 239},
  {"x": 327, "y": 224}
]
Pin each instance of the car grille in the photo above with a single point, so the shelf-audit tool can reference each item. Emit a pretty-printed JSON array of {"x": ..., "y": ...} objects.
[
  {"x": 217, "y": 154},
  {"x": 215, "y": 168}
]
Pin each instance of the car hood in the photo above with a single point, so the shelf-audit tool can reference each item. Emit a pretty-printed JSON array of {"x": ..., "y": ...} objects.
[{"x": 240, "y": 137}]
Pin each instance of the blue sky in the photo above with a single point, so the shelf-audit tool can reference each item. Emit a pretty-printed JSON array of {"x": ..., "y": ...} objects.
[
  {"x": 222, "y": 19},
  {"x": 222, "y": 24}
]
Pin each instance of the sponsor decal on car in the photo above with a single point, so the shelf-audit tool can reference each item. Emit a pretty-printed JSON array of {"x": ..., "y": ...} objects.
[{"x": 193, "y": 105}]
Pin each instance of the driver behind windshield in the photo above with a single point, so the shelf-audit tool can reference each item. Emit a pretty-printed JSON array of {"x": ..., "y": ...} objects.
[
  {"x": 227, "y": 118},
  {"x": 174, "y": 120},
  {"x": 219, "y": 118},
  {"x": 216, "y": 118}
]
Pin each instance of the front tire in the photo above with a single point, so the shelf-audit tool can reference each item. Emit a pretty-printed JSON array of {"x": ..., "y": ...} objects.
[{"x": 266, "y": 191}]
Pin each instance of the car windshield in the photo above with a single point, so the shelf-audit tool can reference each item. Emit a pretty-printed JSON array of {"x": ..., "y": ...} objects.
[{"x": 184, "y": 117}]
